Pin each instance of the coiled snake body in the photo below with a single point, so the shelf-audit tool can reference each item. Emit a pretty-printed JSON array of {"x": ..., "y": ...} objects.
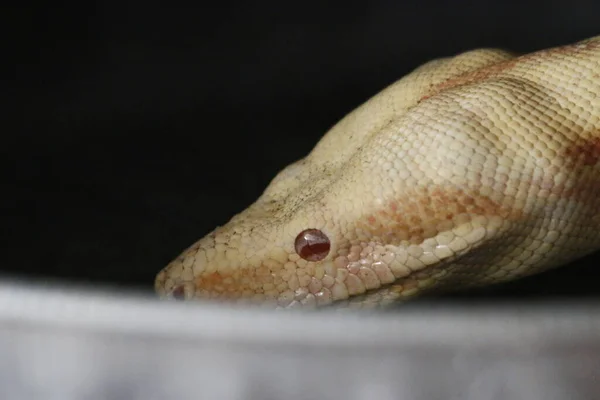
[{"x": 471, "y": 170}]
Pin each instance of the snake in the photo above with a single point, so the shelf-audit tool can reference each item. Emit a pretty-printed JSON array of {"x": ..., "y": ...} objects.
[{"x": 471, "y": 170}]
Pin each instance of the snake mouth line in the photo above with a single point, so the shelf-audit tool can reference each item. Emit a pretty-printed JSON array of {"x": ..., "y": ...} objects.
[{"x": 406, "y": 287}]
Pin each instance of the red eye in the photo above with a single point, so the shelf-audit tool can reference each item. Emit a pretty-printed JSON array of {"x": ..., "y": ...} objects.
[{"x": 312, "y": 245}]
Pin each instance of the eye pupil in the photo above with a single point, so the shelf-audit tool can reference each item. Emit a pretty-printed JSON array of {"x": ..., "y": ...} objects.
[{"x": 312, "y": 245}]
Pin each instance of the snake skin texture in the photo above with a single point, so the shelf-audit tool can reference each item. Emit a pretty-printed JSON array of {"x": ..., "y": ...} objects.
[{"x": 469, "y": 171}]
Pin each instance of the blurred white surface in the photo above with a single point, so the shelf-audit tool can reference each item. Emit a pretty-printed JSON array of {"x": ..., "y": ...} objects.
[{"x": 70, "y": 344}]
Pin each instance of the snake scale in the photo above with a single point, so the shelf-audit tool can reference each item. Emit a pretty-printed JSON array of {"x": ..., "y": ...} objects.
[{"x": 471, "y": 170}]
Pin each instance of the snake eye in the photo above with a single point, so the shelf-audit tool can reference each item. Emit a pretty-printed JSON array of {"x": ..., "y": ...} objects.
[{"x": 312, "y": 245}]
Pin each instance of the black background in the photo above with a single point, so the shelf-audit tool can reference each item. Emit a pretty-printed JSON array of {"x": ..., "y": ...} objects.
[{"x": 134, "y": 128}]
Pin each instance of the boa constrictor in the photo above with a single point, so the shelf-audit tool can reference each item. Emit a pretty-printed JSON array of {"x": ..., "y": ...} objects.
[{"x": 471, "y": 170}]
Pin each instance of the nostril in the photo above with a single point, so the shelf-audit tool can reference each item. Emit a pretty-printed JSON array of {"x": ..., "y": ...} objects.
[{"x": 178, "y": 293}]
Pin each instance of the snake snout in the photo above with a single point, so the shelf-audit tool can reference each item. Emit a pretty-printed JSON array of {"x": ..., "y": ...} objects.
[
  {"x": 181, "y": 292},
  {"x": 174, "y": 289}
]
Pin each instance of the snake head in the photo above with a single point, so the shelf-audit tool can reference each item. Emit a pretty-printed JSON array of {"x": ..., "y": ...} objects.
[
  {"x": 288, "y": 249},
  {"x": 323, "y": 241},
  {"x": 356, "y": 224}
]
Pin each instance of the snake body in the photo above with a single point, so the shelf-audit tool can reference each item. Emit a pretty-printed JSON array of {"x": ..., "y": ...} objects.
[{"x": 471, "y": 170}]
